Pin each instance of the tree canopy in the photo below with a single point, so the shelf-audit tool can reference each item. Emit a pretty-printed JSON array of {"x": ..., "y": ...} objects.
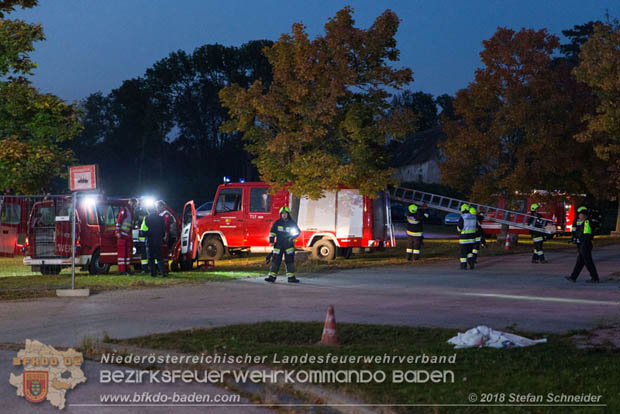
[
  {"x": 33, "y": 126},
  {"x": 517, "y": 120},
  {"x": 325, "y": 119}
]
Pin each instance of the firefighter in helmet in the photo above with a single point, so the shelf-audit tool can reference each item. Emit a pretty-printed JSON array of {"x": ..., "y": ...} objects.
[
  {"x": 415, "y": 231},
  {"x": 282, "y": 237},
  {"x": 478, "y": 240},
  {"x": 467, "y": 236},
  {"x": 582, "y": 235},
  {"x": 538, "y": 256}
]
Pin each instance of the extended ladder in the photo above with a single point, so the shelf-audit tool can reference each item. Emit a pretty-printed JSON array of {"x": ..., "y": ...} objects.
[{"x": 453, "y": 205}]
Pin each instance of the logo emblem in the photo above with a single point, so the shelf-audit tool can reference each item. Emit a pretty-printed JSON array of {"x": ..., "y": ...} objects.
[{"x": 35, "y": 385}]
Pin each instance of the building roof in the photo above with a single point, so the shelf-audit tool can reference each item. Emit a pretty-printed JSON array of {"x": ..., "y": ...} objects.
[{"x": 418, "y": 148}]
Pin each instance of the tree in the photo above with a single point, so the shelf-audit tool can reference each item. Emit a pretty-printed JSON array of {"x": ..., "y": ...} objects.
[
  {"x": 516, "y": 122},
  {"x": 33, "y": 126},
  {"x": 446, "y": 103},
  {"x": 325, "y": 118},
  {"x": 423, "y": 107},
  {"x": 599, "y": 68}
]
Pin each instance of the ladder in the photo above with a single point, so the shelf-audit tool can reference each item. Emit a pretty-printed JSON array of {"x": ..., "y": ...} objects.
[{"x": 453, "y": 205}]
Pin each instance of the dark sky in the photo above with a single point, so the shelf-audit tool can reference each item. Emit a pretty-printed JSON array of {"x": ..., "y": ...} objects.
[{"x": 93, "y": 45}]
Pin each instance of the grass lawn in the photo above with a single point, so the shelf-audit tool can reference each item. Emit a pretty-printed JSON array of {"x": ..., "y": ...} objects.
[
  {"x": 555, "y": 367},
  {"x": 18, "y": 281}
]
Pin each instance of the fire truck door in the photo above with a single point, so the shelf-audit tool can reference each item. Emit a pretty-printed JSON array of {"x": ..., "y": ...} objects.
[
  {"x": 9, "y": 221},
  {"x": 107, "y": 225},
  {"x": 228, "y": 215},
  {"x": 189, "y": 240},
  {"x": 260, "y": 217}
]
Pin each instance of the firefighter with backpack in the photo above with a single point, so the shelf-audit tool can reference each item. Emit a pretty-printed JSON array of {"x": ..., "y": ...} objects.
[{"x": 538, "y": 256}]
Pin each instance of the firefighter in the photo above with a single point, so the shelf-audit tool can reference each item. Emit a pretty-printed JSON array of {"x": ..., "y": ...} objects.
[
  {"x": 582, "y": 235},
  {"x": 415, "y": 231},
  {"x": 479, "y": 234},
  {"x": 165, "y": 246},
  {"x": 467, "y": 238},
  {"x": 123, "y": 233},
  {"x": 282, "y": 237},
  {"x": 153, "y": 228},
  {"x": 537, "y": 237}
]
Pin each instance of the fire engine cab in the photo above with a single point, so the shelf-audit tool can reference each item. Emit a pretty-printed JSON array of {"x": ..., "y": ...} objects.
[
  {"x": 242, "y": 215},
  {"x": 49, "y": 234}
]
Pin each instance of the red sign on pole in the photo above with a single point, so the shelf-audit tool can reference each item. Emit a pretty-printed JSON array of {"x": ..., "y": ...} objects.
[{"x": 83, "y": 177}]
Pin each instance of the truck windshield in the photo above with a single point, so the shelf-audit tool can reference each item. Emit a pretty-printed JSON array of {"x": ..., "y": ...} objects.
[{"x": 229, "y": 200}]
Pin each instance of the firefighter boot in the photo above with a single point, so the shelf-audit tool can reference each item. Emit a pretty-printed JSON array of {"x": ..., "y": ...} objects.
[
  {"x": 270, "y": 279},
  {"x": 463, "y": 265},
  {"x": 542, "y": 258},
  {"x": 471, "y": 263},
  {"x": 293, "y": 279},
  {"x": 416, "y": 256},
  {"x": 409, "y": 256}
]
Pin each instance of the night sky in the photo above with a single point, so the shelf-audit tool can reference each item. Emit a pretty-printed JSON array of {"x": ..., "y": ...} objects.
[{"x": 93, "y": 45}]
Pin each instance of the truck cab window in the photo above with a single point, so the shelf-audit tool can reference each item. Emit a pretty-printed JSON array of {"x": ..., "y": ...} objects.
[
  {"x": 260, "y": 200},
  {"x": 229, "y": 200}
]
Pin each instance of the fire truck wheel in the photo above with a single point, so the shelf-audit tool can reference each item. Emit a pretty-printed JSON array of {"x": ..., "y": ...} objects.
[
  {"x": 324, "y": 249},
  {"x": 212, "y": 248},
  {"x": 96, "y": 267},
  {"x": 50, "y": 269}
]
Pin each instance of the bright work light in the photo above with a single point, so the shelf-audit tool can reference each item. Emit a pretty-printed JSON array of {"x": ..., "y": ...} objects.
[
  {"x": 293, "y": 232},
  {"x": 148, "y": 201}
]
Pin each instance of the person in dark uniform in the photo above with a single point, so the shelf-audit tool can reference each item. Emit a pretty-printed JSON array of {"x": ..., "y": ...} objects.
[
  {"x": 282, "y": 237},
  {"x": 415, "y": 231},
  {"x": 583, "y": 235},
  {"x": 153, "y": 228},
  {"x": 537, "y": 237}
]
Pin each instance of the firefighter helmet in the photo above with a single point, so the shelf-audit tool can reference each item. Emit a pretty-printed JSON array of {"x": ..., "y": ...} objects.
[
  {"x": 534, "y": 207},
  {"x": 464, "y": 208},
  {"x": 472, "y": 210},
  {"x": 413, "y": 208},
  {"x": 284, "y": 209},
  {"x": 582, "y": 209}
]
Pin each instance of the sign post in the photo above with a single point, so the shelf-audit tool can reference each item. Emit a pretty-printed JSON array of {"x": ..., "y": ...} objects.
[{"x": 81, "y": 178}]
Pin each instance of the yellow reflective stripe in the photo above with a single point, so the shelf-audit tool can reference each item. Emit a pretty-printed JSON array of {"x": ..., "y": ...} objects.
[
  {"x": 272, "y": 234},
  {"x": 414, "y": 233},
  {"x": 280, "y": 228},
  {"x": 466, "y": 241},
  {"x": 468, "y": 231},
  {"x": 409, "y": 250},
  {"x": 416, "y": 252},
  {"x": 290, "y": 250},
  {"x": 538, "y": 239},
  {"x": 276, "y": 251},
  {"x": 463, "y": 260}
]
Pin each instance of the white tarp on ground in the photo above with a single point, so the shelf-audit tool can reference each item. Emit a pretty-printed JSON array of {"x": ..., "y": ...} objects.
[{"x": 484, "y": 336}]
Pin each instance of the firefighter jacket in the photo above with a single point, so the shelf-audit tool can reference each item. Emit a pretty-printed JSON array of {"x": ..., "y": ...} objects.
[
  {"x": 582, "y": 231},
  {"x": 536, "y": 221},
  {"x": 153, "y": 228},
  {"x": 415, "y": 223},
  {"x": 284, "y": 232},
  {"x": 124, "y": 221},
  {"x": 467, "y": 227}
]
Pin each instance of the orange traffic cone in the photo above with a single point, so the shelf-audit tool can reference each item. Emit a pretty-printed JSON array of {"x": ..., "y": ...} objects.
[
  {"x": 330, "y": 336},
  {"x": 507, "y": 246}
]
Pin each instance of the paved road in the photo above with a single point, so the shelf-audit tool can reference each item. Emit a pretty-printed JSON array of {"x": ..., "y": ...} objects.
[{"x": 502, "y": 291}]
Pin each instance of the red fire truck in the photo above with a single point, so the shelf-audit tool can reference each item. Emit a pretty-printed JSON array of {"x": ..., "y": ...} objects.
[
  {"x": 242, "y": 215},
  {"x": 558, "y": 207},
  {"x": 49, "y": 234}
]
